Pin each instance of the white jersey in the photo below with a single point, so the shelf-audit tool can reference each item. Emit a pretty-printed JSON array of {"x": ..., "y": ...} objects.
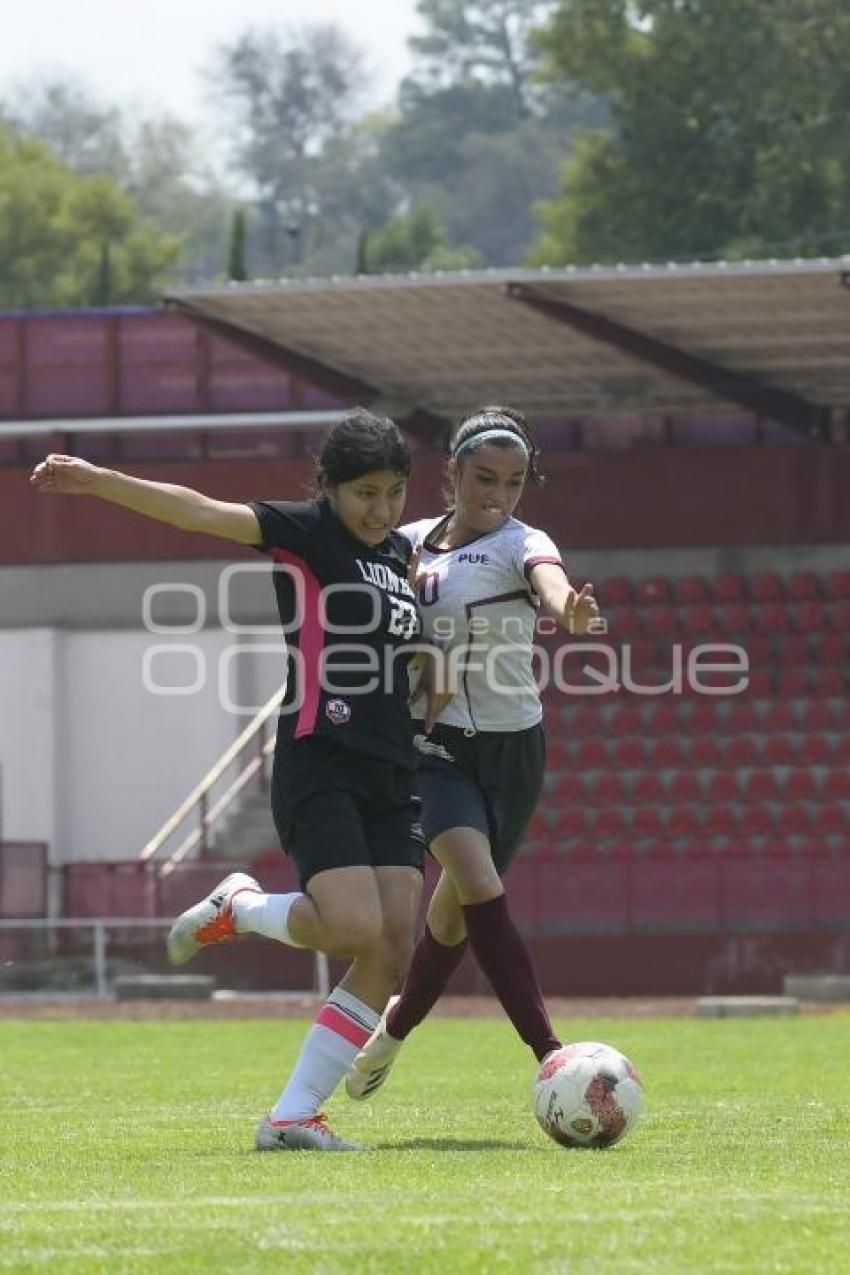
[{"x": 477, "y": 601}]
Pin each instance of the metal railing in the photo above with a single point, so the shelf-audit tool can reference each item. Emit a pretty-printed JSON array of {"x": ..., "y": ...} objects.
[{"x": 257, "y": 736}]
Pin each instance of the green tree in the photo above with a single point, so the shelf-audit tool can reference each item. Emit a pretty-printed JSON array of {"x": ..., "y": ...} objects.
[
  {"x": 729, "y": 134},
  {"x": 65, "y": 239},
  {"x": 414, "y": 241}
]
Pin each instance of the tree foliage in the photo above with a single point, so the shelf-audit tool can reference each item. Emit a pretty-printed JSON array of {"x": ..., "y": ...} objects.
[
  {"x": 414, "y": 241},
  {"x": 67, "y": 240},
  {"x": 730, "y": 129}
]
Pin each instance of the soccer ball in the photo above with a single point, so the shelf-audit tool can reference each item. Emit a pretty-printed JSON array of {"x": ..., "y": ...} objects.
[{"x": 587, "y": 1095}]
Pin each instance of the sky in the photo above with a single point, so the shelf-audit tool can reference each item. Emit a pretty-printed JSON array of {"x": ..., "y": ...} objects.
[{"x": 149, "y": 53}]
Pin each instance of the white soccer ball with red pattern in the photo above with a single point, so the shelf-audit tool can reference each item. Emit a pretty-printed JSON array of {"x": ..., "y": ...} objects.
[{"x": 587, "y": 1095}]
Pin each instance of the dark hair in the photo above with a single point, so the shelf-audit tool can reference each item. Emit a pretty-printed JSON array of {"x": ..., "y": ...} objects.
[
  {"x": 359, "y": 443},
  {"x": 495, "y": 417}
]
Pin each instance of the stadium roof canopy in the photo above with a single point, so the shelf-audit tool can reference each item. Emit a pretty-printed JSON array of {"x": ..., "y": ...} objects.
[{"x": 772, "y": 338}]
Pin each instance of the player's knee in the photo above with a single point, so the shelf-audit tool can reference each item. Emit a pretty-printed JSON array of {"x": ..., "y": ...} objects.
[
  {"x": 398, "y": 944},
  {"x": 355, "y": 936}
]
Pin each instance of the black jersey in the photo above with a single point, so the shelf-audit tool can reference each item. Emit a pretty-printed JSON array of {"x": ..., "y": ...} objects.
[{"x": 348, "y": 614}]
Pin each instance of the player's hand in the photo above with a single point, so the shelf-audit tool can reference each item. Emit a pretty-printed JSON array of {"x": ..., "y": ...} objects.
[
  {"x": 433, "y": 686},
  {"x": 580, "y": 609},
  {"x": 413, "y": 577},
  {"x": 65, "y": 475}
]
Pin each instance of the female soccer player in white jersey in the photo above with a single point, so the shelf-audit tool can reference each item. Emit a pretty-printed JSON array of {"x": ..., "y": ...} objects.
[
  {"x": 482, "y": 576},
  {"x": 342, "y": 779}
]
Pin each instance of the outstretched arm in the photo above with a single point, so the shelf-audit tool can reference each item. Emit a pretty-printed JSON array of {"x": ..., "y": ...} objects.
[
  {"x": 575, "y": 611},
  {"x": 180, "y": 506}
]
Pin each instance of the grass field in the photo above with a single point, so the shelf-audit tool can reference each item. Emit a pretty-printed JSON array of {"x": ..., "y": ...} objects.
[{"x": 127, "y": 1147}]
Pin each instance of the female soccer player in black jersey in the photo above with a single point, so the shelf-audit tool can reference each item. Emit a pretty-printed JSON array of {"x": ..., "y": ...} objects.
[
  {"x": 342, "y": 779},
  {"x": 482, "y": 576}
]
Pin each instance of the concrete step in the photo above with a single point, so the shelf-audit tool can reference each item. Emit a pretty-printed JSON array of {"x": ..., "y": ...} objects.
[
  {"x": 825, "y": 988},
  {"x": 747, "y": 1007}
]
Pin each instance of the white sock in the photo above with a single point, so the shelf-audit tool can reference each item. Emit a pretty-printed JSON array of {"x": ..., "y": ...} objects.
[
  {"x": 339, "y": 1032},
  {"x": 266, "y": 914}
]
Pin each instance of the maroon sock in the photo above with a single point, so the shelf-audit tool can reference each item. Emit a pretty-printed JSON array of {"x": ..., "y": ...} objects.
[
  {"x": 503, "y": 955},
  {"x": 430, "y": 970}
]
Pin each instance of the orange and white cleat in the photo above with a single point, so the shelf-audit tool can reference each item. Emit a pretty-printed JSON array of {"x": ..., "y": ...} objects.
[
  {"x": 210, "y": 921},
  {"x": 310, "y": 1134}
]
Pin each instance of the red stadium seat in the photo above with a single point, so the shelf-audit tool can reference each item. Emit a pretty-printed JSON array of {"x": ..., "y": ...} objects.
[
  {"x": 839, "y": 618},
  {"x": 760, "y": 684},
  {"x": 793, "y": 683},
  {"x": 800, "y": 785},
  {"x": 685, "y": 787},
  {"x": 734, "y": 619},
  {"x": 804, "y": 586},
  {"x": 705, "y": 751},
  {"x": 665, "y": 718},
  {"x": 630, "y": 753},
  {"x": 704, "y": 719},
  {"x": 814, "y": 750},
  {"x": 607, "y": 789},
  {"x": 647, "y": 822},
  {"x": 770, "y": 617},
  {"x": 779, "y": 750},
  {"x": 758, "y": 821},
  {"x": 610, "y": 823},
  {"x": 721, "y": 821},
  {"x": 668, "y": 752},
  {"x": 691, "y": 589},
  {"x": 837, "y": 785},
  {"x": 742, "y": 751},
  {"x": 816, "y": 716},
  {"x": 590, "y": 755},
  {"x": 568, "y": 789},
  {"x": 743, "y": 716},
  {"x": 766, "y": 586},
  {"x": 616, "y": 591},
  {"x": 807, "y": 617},
  {"x": 683, "y": 822},
  {"x": 622, "y": 623},
  {"x": 832, "y": 817},
  {"x": 828, "y": 681},
  {"x": 648, "y": 788},
  {"x": 723, "y": 786},
  {"x": 838, "y": 584},
  {"x": 792, "y": 651},
  {"x": 758, "y": 648},
  {"x": 583, "y": 719},
  {"x": 832, "y": 649},
  {"x": 729, "y": 588},
  {"x": 653, "y": 590},
  {"x": 761, "y": 785},
  {"x": 698, "y": 620},
  {"x": 661, "y": 621},
  {"x": 627, "y": 718}
]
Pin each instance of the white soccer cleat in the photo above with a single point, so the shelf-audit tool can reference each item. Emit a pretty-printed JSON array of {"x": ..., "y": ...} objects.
[
  {"x": 310, "y": 1134},
  {"x": 372, "y": 1065},
  {"x": 210, "y": 921}
]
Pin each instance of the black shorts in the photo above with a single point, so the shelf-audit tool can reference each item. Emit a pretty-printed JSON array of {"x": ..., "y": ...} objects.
[
  {"x": 490, "y": 781},
  {"x": 336, "y": 808}
]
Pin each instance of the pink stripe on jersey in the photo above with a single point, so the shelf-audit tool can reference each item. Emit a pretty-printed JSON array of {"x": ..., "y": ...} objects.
[
  {"x": 311, "y": 643},
  {"x": 341, "y": 1025}
]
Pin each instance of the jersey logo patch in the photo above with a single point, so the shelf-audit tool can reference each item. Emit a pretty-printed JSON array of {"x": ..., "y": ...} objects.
[{"x": 338, "y": 712}]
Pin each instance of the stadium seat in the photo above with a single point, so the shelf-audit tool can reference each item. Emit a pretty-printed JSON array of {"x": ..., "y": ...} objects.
[
  {"x": 616, "y": 591},
  {"x": 758, "y": 821},
  {"x": 705, "y": 751},
  {"x": 583, "y": 719},
  {"x": 685, "y": 787},
  {"x": 779, "y": 750},
  {"x": 609, "y": 823},
  {"x": 815, "y": 716},
  {"x": 792, "y": 683},
  {"x": 760, "y": 785},
  {"x": 807, "y": 617},
  {"x": 568, "y": 789},
  {"x": 630, "y": 753},
  {"x": 836, "y": 785},
  {"x": 698, "y": 620},
  {"x": 832, "y": 649},
  {"x": 758, "y": 648},
  {"x": 814, "y": 750},
  {"x": 766, "y": 586},
  {"x": 839, "y": 616},
  {"x": 668, "y": 752},
  {"x": 770, "y": 617},
  {"x": 792, "y": 651},
  {"x": 607, "y": 789},
  {"x": 800, "y": 785},
  {"x": 838, "y": 584},
  {"x": 832, "y": 817},
  {"x": 733, "y": 619},
  {"x": 591, "y": 754},
  {"x": 742, "y": 716},
  {"x": 804, "y": 586},
  {"x": 841, "y": 717},
  {"x": 653, "y": 590},
  {"x": 760, "y": 684},
  {"x": 622, "y": 623},
  {"x": 722, "y": 786},
  {"x": 665, "y": 718},
  {"x": 721, "y": 821},
  {"x": 691, "y": 589},
  {"x": 742, "y": 751},
  {"x": 684, "y": 822},
  {"x": 703, "y": 718},
  {"x": 647, "y": 788},
  {"x": 828, "y": 681},
  {"x": 647, "y": 822},
  {"x": 661, "y": 621},
  {"x": 729, "y": 588},
  {"x": 627, "y": 718}
]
